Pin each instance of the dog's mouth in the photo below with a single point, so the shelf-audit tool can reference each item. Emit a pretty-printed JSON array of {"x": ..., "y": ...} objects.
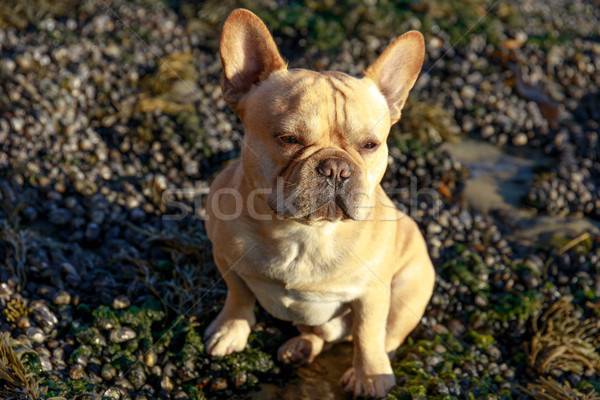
[{"x": 331, "y": 210}]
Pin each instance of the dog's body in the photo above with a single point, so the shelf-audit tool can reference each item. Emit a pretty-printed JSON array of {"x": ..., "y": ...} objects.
[{"x": 300, "y": 221}]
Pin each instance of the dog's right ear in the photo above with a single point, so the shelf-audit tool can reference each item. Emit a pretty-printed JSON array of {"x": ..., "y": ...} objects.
[{"x": 248, "y": 54}]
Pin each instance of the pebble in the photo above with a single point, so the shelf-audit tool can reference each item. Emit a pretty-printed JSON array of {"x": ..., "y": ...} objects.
[
  {"x": 46, "y": 364},
  {"x": 77, "y": 372},
  {"x": 137, "y": 376},
  {"x": 92, "y": 231},
  {"x": 121, "y": 302},
  {"x": 113, "y": 393},
  {"x": 108, "y": 372},
  {"x": 520, "y": 139},
  {"x": 62, "y": 297},
  {"x": 481, "y": 301},
  {"x": 218, "y": 384},
  {"x": 23, "y": 322},
  {"x": 60, "y": 216},
  {"x": 121, "y": 335},
  {"x": 167, "y": 384},
  {"x": 150, "y": 359}
]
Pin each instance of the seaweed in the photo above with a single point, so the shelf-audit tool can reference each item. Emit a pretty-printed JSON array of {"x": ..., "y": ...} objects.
[
  {"x": 429, "y": 123},
  {"x": 18, "y": 240},
  {"x": 16, "y": 381},
  {"x": 549, "y": 389},
  {"x": 16, "y": 308},
  {"x": 562, "y": 341},
  {"x": 467, "y": 269}
]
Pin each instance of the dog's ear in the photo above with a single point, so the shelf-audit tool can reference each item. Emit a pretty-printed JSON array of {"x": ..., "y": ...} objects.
[
  {"x": 397, "y": 69},
  {"x": 248, "y": 54}
]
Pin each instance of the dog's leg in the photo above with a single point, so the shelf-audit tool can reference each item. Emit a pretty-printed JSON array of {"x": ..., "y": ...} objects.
[
  {"x": 229, "y": 332},
  {"x": 371, "y": 372},
  {"x": 304, "y": 348},
  {"x": 411, "y": 291}
]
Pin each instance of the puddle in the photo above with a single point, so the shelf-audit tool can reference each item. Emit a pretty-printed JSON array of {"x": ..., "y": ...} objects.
[
  {"x": 318, "y": 380},
  {"x": 497, "y": 182}
]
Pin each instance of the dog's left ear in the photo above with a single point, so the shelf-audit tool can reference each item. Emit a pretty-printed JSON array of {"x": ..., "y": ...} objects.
[
  {"x": 248, "y": 54},
  {"x": 397, "y": 69}
]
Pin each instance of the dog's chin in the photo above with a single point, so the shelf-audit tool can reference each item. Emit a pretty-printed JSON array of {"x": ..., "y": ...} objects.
[{"x": 331, "y": 211}]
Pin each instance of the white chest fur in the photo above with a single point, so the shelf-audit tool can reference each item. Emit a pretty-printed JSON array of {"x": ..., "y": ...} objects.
[{"x": 300, "y": 274}]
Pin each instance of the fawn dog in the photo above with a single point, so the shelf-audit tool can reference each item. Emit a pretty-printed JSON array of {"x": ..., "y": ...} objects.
[{"x": 300, "y": 221}]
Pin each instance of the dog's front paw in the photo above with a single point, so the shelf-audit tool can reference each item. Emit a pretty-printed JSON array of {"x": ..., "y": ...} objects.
[
  {"x": 365, "y": 384},
  {"x": 226, "y": 336}
]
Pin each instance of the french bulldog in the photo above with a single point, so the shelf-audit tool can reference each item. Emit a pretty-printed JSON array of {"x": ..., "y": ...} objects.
[{"x": 300, "y": 221}]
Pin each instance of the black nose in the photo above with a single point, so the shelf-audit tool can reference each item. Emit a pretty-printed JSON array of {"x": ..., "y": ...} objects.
[{"x": 335, "y": 169}]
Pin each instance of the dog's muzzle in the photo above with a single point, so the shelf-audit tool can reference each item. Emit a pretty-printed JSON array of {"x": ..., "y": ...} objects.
[{"x": 328, "y": 190}]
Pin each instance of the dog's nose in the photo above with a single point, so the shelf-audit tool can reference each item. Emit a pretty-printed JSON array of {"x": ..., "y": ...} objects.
[{"x": 334, "y": 168}]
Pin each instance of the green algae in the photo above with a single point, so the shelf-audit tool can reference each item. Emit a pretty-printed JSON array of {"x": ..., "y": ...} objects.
[
  {"x": 508, "y": 307},
  {"x": 467, "y": 268},
  {"x": 105, "y": 318},
  {"x": 482, "y": 340},
  {"x": 423, "y": 372},
  {"x": 325, "y": 25},
  {"x": 68, "y": 388}
]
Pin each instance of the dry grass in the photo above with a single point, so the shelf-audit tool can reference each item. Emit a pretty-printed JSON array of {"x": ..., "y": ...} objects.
[
  {"x": 16, "y": 383},
  {"x": 563, "y": 342},
  {"x": 183, "y": 273}
]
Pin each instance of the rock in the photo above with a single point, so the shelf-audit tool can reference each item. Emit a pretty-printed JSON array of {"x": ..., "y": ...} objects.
[
  {"x": 218, "y": 384},
  {"x": 60, "y": 216},
  {"x": 137, "y": 215},
  {"x": 62, "y": 297},
  {"x": 481, "y": 301},
  {"x": 121, "y": 302},
  {"x": 467, "y": 92},
  {"x": 121, "y": 335},
  {"x": 108, "y": 372},
  {"x": 167, "y": 384},
  {"x": 45, "y": 363},
  {"x": 137, "y": 376},
  {"x": 520, "y": 139},
  {"x": 35, "y": 334},
  {"x": 77, "y": 372},
  {"x": 92, "y": 232},
  {"x": 487, "y": 131},
  {"x": 150, "y": 359},
  {"x": 112, "y": 393}
]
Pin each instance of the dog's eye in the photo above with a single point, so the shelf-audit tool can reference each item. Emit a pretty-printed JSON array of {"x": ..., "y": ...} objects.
[
  {"x": 289, "y": 139},
  {"x": 370, "y": 145}
]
